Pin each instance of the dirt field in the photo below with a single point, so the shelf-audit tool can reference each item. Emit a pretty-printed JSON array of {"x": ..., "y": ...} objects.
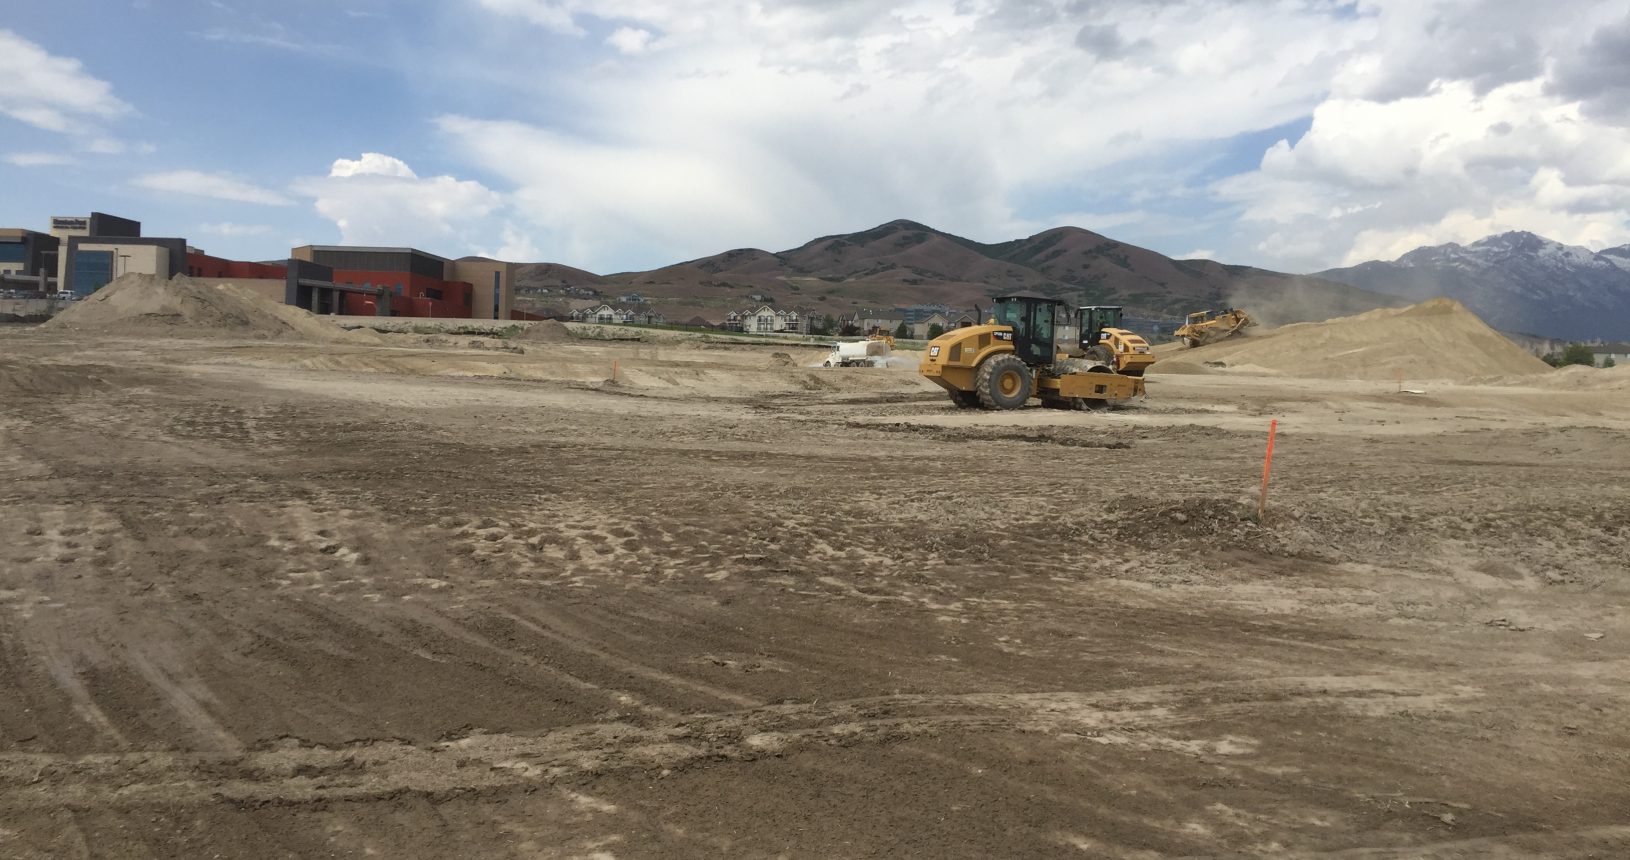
[{"x": 452, "y": 600}]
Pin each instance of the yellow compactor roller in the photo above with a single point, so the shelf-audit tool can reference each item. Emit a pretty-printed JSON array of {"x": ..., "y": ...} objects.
[{"x": 1014, "y": 358}]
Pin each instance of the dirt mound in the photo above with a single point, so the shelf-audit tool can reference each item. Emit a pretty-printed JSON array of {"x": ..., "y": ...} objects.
[
  {"x": 146, "y": 305},
  {"x": 546, "y": 331},
  {"x": 1436, "y": 339},
  {"x": 1580, "y": 377}
]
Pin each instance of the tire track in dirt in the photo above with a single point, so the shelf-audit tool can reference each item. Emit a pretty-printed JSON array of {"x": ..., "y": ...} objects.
[
  {"x": 612, "y": 696},
  {"x": 292, "y": 771},
  {"x": 1585, "y": 843},
  {"x": 558, "y": 629}
]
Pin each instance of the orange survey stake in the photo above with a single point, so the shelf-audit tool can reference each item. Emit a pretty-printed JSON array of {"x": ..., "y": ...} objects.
[{"x": 1267, "y": 468}]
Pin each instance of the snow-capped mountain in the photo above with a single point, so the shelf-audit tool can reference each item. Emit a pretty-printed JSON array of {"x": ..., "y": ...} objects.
[{"x": 1516, "y": 282}]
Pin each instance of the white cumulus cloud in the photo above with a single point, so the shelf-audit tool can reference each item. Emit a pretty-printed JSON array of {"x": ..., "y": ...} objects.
[
  {"x": 517, "y": 246},
  {"x": 770, "y": 122},
  {"x": 371, "y": 164},
  {"x": 378, "y": 200},
  {"x": 51, "y": 92},
  {"x": 1423, "y": 143}
]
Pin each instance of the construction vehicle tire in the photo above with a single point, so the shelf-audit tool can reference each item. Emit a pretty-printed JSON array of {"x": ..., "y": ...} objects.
[
  {"x": 1101, "y": 354},
  {"x": 1003, "y": 382},
  {"x": 965, "y": 399}
]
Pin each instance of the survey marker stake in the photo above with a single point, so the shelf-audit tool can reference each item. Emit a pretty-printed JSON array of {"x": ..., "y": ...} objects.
[{"x": 1267, "y": 468}]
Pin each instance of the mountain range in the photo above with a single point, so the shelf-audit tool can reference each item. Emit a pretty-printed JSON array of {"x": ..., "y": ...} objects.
[
  {"x": 1517, "y": 282},
  {"x": 903, "y": 263}
]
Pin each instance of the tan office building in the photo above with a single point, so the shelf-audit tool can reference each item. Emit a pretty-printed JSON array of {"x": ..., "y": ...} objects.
[
  {"x": 125, "y": 258},
  {"x": 494, "y": 284},
  {"x": 100, "y": 224}
]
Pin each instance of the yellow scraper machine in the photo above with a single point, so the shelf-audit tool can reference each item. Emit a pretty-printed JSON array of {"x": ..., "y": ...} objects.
[
  {"x": 1003, "y": 364},
  {"x": 1204, "y": 327}
]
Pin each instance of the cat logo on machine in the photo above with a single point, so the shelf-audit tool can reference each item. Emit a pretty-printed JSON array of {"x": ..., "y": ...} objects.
[{"x": 1003, "y": 335}]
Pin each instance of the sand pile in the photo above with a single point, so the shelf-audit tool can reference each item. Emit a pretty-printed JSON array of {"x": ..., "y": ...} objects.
[
  {"x": 143, "y": 305},
  {"x": 1436, "y": 339},
  {"x": 1580, "y": 378},
  {"x": 546, "y": 331}
]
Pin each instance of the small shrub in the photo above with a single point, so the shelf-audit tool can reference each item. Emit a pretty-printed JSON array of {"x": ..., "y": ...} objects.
[{"x": 1577, "y": 353}]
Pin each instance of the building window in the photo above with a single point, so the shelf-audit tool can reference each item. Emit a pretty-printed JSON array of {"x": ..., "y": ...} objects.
[
  {"x": 766, "y": 323},
  {"x": 606, "y": 318},
  {"x": 13, "y": 252},
  {"x": 432, "y": 293},
  {"x": 92, "y": 271}
]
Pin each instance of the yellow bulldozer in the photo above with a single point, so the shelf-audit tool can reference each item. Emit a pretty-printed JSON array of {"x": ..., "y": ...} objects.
[
  {"x": 1203, "y": 327},
  {"x": 1014, "y": 358}
]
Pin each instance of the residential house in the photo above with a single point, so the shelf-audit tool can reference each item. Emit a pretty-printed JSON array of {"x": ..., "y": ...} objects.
[
  {"x": 602, "y": 313},
  {"x": 605, "y": 314},
  {"x": 767, "y": 320},
  {"x": 919, "y": 329},
  {"x": 866, "y": 321},
  {"x": 761, "y": 321},
  {"x": 1618, "y": 352}
]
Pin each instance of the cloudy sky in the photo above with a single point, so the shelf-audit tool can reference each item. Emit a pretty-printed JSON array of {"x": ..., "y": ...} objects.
[{"x": 624, "y": 134}]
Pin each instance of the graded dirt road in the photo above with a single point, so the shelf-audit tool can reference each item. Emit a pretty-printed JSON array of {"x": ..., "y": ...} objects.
[{"x": 292, "y": 600}]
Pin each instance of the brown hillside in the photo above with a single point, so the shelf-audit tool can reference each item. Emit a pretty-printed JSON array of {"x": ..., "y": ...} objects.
[
  {"x": 554, "y": 276},
  {"x": 907, "y": 252},
  {"x": 1097, "y": 269},
  {"x": 904, "y": 263}
]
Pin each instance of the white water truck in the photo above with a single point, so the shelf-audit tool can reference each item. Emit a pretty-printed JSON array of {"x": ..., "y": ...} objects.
[{"x": 858, "y": 353}]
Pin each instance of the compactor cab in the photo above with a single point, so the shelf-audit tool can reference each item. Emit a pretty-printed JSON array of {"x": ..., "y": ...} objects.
[
  {"x": 1103, "y": 341},
  {"x": 1033, "y": 321},
  {"x": 1092, "y": 321},
  {"x": 1016, "y": 357}
]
